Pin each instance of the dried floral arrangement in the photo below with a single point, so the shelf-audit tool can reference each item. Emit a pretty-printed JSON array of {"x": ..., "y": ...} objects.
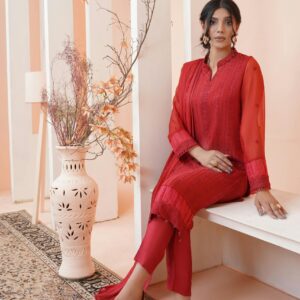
[{"x": 82, "y": 112}]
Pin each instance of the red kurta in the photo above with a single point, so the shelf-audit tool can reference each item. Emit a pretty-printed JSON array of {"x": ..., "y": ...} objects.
[{"x": 225, "y": 113}]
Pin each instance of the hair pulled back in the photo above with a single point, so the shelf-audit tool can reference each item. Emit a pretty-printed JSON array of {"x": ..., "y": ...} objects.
[{"x": 208, "y": 11}]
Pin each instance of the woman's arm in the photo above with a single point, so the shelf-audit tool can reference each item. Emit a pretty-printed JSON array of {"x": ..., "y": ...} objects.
[
  {"x": 252, "y": 130},
  {"x": 252, "y": 136}
]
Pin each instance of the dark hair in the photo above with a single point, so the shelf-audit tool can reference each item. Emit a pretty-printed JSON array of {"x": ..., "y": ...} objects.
[{"x": 211, "y": 7}]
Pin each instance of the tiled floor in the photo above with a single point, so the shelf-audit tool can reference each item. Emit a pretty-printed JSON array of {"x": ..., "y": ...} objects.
[
  {"x": 222, "y": 283},
  {"x": 113, "y": 245}
]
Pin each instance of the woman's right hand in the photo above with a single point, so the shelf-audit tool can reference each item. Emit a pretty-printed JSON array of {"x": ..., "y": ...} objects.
[{"x": 212, "y": 159}]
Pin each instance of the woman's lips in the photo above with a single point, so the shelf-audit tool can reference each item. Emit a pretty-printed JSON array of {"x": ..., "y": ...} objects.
[{"x": 220, "y": 39}]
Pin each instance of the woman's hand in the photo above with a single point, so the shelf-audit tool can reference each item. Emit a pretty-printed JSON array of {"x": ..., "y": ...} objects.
[
  {"x": 266, "y": 203},
  {"x": 212, "y": 159}
]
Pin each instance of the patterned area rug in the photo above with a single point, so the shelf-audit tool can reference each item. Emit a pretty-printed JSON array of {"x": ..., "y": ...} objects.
[{"x": 29, "y": 261}]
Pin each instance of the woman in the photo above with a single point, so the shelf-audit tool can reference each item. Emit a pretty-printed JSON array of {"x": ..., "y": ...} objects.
[{"x": 217, "y": 135}]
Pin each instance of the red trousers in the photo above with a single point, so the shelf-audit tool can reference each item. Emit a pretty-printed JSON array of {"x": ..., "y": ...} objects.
[{"x": 161, "y": 237}]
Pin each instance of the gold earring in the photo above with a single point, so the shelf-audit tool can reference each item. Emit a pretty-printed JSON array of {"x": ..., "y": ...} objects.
[
  {"x": 205, "y": 39},
  {"x": 234, "y": 39}
]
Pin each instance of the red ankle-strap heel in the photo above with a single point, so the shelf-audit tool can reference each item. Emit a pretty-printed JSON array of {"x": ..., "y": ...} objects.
[{"x": 111, "y": 291}]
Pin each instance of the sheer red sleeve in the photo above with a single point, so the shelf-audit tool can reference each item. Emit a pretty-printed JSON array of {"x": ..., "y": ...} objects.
[
  {"x": 252, "y": 131},
  {"x": 179, "y": 138}
]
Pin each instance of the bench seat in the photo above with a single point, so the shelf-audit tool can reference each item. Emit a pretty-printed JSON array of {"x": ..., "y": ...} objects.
[{"x": 243, "y": 217}]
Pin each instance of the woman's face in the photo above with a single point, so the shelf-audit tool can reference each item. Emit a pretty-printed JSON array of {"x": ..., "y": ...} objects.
[{"x": 222, "y": 28}]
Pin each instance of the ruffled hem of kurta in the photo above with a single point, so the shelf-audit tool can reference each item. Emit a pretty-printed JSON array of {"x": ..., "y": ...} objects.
[{"x": 171, "y": 206}]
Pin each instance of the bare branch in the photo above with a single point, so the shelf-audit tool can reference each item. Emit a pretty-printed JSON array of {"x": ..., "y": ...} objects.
[{"x": 82, "y": 112}]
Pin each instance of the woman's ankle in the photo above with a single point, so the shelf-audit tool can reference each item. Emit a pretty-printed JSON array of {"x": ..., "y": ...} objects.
[{"x": 139, "y": 276}]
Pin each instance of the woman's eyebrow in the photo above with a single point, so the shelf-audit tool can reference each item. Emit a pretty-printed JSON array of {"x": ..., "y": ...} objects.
[{"x": 227, "y": 17}]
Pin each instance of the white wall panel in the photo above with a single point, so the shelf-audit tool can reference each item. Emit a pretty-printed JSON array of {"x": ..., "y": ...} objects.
[
  {"x": 152, "y": 94},
  {"x": 152, "y": 98},
  {"x": 103, "y": 169},
  {"x": 22, "y": 141},
  {"x": 57, "y": 27},
  {"x": 269, "y": 263}
]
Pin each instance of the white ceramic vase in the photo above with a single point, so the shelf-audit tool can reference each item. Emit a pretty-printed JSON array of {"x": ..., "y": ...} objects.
[{"x": 73, "y": 198}]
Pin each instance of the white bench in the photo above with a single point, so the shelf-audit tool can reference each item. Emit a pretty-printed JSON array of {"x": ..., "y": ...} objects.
[
  {"x": 243, "y": 217},
  {"x": 231, "y": 238},
  {"x": 259, "y": 246}
]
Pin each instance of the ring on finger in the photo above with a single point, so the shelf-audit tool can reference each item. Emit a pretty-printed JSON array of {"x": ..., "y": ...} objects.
[{"x": 214, "y": 163}]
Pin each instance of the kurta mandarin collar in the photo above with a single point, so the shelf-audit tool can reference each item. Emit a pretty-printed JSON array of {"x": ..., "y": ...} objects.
[{"x": 221, "y": 62}]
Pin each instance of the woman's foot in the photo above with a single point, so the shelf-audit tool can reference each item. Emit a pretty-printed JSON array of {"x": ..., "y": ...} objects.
[
  {"x": 134, "y": 287},
  {"x": 130, "y": 294}
]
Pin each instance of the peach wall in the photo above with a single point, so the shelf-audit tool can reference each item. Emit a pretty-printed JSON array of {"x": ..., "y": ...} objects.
[
  {"x": 124, "y": 118},
  {"x": 273, "y": 40},
  {"x": 178, "y": 41},
  {"x": 79, "y": 25},
  {"x": 4, "y": 139}
]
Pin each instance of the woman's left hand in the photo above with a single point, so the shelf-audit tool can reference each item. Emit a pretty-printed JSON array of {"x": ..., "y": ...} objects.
[{"x": 265, "y": 202}]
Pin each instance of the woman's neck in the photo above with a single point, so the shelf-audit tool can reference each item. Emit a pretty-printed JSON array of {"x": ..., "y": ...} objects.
[{"x": 215, "y": 55}]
